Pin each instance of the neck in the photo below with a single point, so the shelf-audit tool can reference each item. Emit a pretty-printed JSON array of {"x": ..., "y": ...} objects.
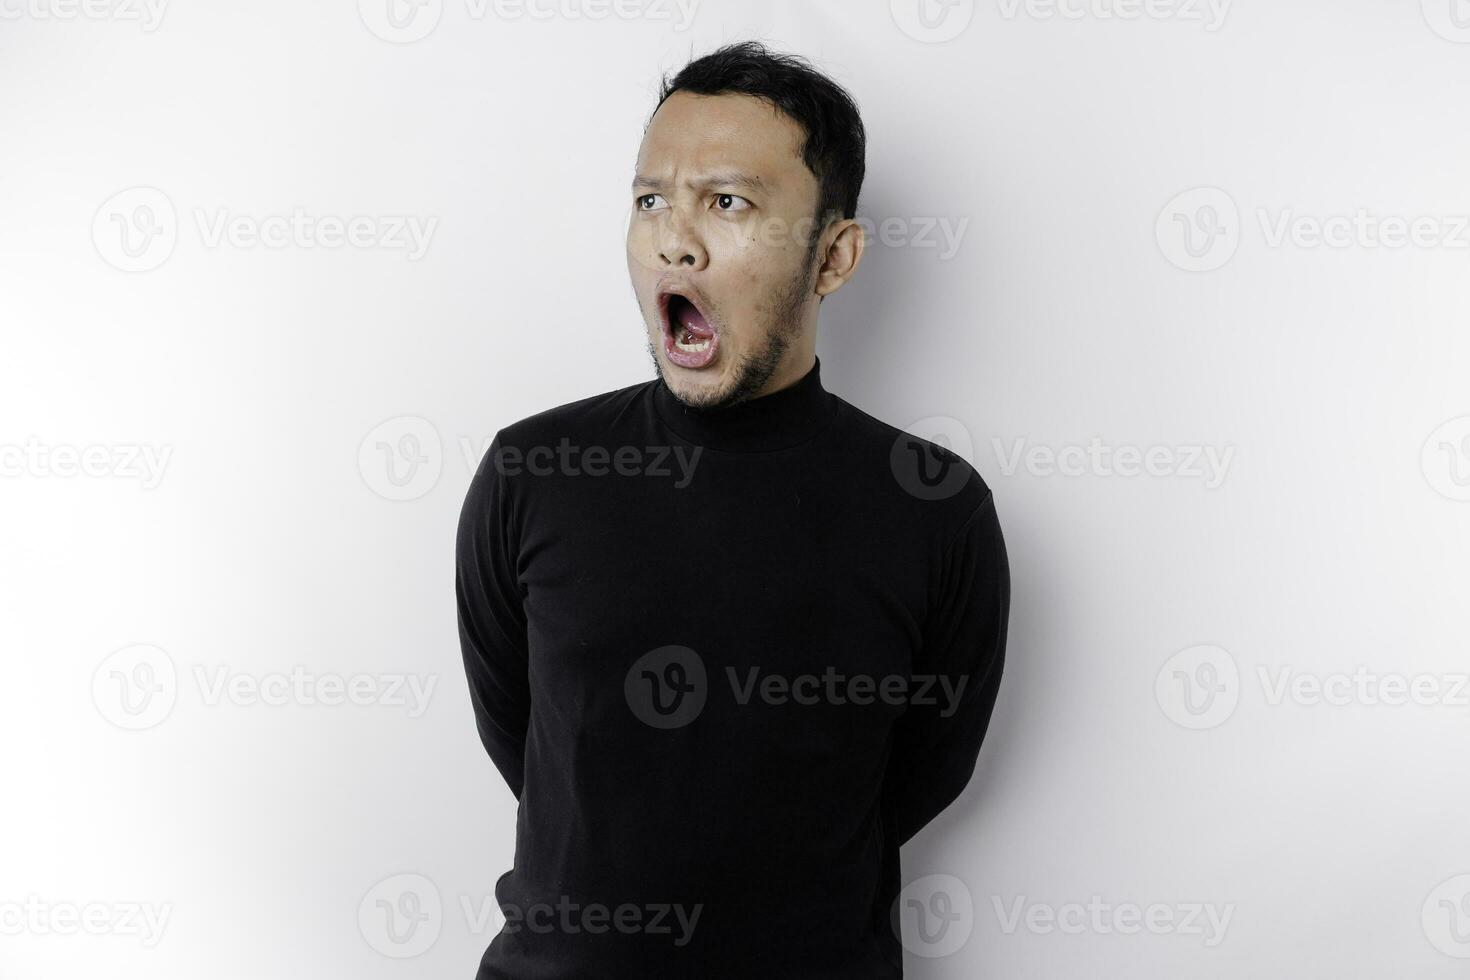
[
  {"x": 789, "y": 373},
  {"x": 787, "y": 413}
]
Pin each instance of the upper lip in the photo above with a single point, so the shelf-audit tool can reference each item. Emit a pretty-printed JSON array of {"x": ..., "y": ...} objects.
[{"x": 665, "y": 292}]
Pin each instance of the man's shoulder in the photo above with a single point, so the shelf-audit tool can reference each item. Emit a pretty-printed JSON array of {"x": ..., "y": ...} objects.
[
  {"x": 930, "y": 471},
  {"x": 592, "y": 417}
]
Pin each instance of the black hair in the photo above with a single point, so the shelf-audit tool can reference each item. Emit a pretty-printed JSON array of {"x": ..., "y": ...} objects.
[{"x": 835, "y": 142}]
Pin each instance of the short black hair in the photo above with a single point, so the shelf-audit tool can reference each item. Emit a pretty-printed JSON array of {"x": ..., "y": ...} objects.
[{"x": 836, "y": 142}]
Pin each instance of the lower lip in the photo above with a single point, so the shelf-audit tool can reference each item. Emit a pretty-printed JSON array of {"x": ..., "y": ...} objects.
[{"x": 692, "y": 360}]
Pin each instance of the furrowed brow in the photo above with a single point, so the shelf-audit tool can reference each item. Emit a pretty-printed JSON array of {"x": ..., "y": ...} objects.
[{"x": 728, "y": 178}]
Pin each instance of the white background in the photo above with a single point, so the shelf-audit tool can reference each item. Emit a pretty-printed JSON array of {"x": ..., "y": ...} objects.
[{"x": 1072, "y": 313}]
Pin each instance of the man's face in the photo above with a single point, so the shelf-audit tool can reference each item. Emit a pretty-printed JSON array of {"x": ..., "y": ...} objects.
[{"x": 722, "y": 216}]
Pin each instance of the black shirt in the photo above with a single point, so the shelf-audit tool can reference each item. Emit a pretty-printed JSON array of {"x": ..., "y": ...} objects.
[{"x": 727, "y": 661}]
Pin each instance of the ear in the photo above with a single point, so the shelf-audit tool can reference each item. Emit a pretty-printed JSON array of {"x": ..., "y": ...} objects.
[{"x": 841, "y": 257}]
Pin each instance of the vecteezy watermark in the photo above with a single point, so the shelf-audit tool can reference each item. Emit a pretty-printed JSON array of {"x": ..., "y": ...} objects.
[
  {"x": 407, "y": 233},
  {"x": 568, "y": 917},
  {"x": 1209, "y": 921},
  {"x": 401, "y": 916},
  {"x": 138, "y": 686},
  {"x": 1208, "y": 13},
  {"x": 36, "y": 916},
  {"x": 1450, "y": 19},
  {"x": 1363, "y": 229},
  {"x": 404, "y": 915},
  {"x": 1445, "y": 459},
  {"x": 406, "y": 21},
  {"x": 402, "y": 458},
  {"x": 668, "y": 688},
  {"x": 1208, "y": 464},
  {"x": 1201, "y": 686},
  {"x": 1362, "y": 686},
  {"x": 930, "y": 458},
  {"x": 137, "y": 229},
  {"x": 568, "y": 459},
  {"x": 933, "y": 916},
  {"x": 1445, "y": 916},
  {"x": 932, "y": 21},
  {"x": 300, "y": 687},
  {"x": 121, "y": 461},
  {"x": 148, "y": 14},
  {"x": 836, "y": 688},
  {"x": 1200, "y": 229},
  {"x": 1198, "y": 687},
  {"x": 941, "y": 235}
]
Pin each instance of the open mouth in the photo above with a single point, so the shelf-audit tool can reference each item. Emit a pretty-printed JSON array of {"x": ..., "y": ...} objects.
[{"x": 690, "y": 339}]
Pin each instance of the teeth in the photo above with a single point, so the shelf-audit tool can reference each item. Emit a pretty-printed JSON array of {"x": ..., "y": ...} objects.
[{"x": 686, "y": 344}]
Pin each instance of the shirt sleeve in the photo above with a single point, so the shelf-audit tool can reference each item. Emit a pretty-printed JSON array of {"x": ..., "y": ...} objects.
[
  {"x": 937, "y": 739},
  {"x": 492, "y": 620}
]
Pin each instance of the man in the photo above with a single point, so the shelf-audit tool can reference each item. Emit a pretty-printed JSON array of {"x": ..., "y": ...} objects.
[{"x": 730, "y": 640}]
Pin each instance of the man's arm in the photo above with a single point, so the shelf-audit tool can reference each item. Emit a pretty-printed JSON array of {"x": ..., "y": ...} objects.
[
  {"x": 935, "y": 745},
  {"x": 492, "y": 620}
]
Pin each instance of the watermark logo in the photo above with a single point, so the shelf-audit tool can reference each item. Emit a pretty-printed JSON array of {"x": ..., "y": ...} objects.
[
  {"x": 135, "y": 230},
  {"x": 1199, "y": 229},
  {"x": 1208, "y": 464},
  {"x": 304, "y": 688},
  {"x": 939, "y": 235},
  {"x": 36, "y": 916},
  {"x": 401, "y": 916},
  {"x": 1363, "y": 229},
  {"x": 402, "y": 458},
  {"x": 1207, "y": 920},
  {"x": 410, "y": 234},
  {"x": 146, "y": 13},
  {"x": 1450, "y": 19},
  {"x": 1363, "y": 687},
  {"x": 400, "y": 21},
  {"x": 666, "y": 688},
  {"x": 1198, "y": 687},
  {"x": 934, "y": 916},
  {"x": 138, "y": 686},
  {"x": 568, "y": 459},
  {"x": 932, "y": 21},
  {"x": 1208, "y": 13},
  {"x": 406, "y": 21},
  {"x": 1446, "y": 917},
  {"x": 919, "y": 465},
  {"x": 1445, "y": 459},
  {"x": 834, "y": 687},
  {"x": 135, "y": 687},
  {"x": 568, "y": 917},
  {"x": 123, "y": 461}
]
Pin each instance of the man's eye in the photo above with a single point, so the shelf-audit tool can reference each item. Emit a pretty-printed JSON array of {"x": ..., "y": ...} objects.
[
  {"x": 726, "y": 202},
  {"x": 645, "y": 203}
]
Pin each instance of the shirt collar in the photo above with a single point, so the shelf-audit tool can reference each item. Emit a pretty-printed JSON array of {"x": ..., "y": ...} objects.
[{"x": 779, "y": 420}]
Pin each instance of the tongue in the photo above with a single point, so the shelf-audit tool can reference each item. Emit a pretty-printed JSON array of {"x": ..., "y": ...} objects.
[{"x": 693, "y": 321}]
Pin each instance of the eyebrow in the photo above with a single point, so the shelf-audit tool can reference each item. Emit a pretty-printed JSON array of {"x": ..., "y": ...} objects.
[{"x": 726, "y": 178}]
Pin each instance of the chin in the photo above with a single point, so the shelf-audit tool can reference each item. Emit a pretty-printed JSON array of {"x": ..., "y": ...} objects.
[{"x": 697, "y": 389}]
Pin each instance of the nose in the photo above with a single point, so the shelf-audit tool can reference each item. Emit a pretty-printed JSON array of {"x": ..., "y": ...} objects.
[{"x": 679, "y": 244}]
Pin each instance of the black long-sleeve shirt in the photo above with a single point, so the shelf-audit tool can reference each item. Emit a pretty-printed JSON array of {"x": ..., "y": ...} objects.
[{"x": 727, "y": 661}]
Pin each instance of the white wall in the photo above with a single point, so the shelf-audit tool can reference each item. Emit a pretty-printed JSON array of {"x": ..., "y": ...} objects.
[{"x": 1329, "y": 380}]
